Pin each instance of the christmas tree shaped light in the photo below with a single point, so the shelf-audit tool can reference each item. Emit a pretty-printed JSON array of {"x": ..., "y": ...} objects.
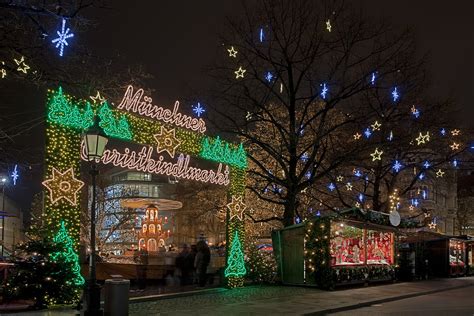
[
  {"x": 235, "y": 262},
  {"x": 68, "y": 255},
  {"x": 113, "y": 127}
]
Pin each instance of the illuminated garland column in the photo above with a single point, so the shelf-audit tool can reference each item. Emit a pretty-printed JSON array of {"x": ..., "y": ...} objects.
[{"x": 235, "y": 268}]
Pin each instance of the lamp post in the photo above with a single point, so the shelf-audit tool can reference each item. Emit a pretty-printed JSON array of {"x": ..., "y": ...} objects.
[
  {"x": 4, "y": 183},
  {"x": 95, "y": 142}
]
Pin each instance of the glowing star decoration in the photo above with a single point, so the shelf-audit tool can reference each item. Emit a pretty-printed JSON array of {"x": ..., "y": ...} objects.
[
  {"x": 439, "y": 173},
  {"x": 426, "y": 164},
  {"x": 15, "y": 175},
  {"x": 411, "y": 207},
  {"x": 198, "y": 109},
  {"x": 239, "y": 73},
  {"x": 3, "y": 71},
  {"x": 415, "y": 112},
  {"x": 248, "y": 117},
  {"x": 422, "y": 139},
  {"x": 395, "y": 95},
  {"x": 357, "y": 136},
  {"x": 455, "y": 163},
  {"x": 421, "y": 176},
  {"x": 455, "y": 132},
  {"x": 376, "y": 155},
  {"x": 454, "y": 146},
  {"x": 367, "y": 132},
  {"x": 361, "y": 197},
  {"x": 372, "y": 78},
  {"x": 232, "y": 52},
  {"x": 340, "y": 178},
  {"x": 397, "y": 166},
  {"x": 98, "y": 98},
  {"x": 349, "y": 186},
  {"x": 63, "y": 185},
  {"x": 61, "y": 40},
  {"x": 415, "y": 202},
  {"x": 167, "y": 141},
  {"x": 328, "y": 25},
  {"x": 304, "y": 157},
  {"x": 236, "y": 208},
  {"x": 357, "y": 204},
  {"x": 331, "y": 187},
  {"x": 324, "y": 91},
  {"x": 357, "y": 173},
  {"x": 426, "y": 214},
  {"x": 269, "y": 76},
  {"x": 236, "y": 261},
  {"x": 443, "y": 132},
  {"x": 432, "y": 225},
  {"x": 376, "y": 126},
  {"x": 22, "y": 66}
]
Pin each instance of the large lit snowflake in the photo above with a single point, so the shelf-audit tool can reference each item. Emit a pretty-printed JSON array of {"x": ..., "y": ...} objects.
[
  {"x": 198, "y": 109},
  {"x": 61, "y": 40}
]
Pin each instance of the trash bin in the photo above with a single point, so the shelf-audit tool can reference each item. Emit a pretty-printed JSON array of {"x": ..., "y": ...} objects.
[{"x": 116, "y": 297}]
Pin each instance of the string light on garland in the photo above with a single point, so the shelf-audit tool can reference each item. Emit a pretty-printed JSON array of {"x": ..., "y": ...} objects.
[
  {"x": 376, "y": 155},
  {"x": 239, "y": 73},
  {"x": 63, "y": 185},
  {"x": 269, "y": 76},
  {"x": 22, "y": 66},
  {"x": 367, "y": 132},
  {"x": 232, "y": 52},
  {"x": 422, "y": 139},
  {"x": 324, "y": 91},
  {"x": 15, "y": 175},
  {"x": 395, "y": 94},
  {"x": 397, "y": 166},
  {"x": 328, "y": 25},
  {"x": 220, "y": 151},
  {"x": 3, "y": 71},
  {"x": 63, "y": 35},
  {"x": 236, "y": 208},
  {"x": 198, "y": 109},
  {"x": 62, "y": 110},
  {"x": 167, "y": 141}
]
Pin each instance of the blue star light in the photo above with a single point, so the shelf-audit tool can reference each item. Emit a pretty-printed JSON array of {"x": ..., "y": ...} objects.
[
  {"x": 61, "y": 40},
  {"x": 397, "y": 166},
  {"x": 443, "y": 132},
  {"x": 424, "y": 195},
  {"x": 367, "y": 133},
  {"x": 198, "y": 109},
  {"x": 269, "y": 76},
  {"x": 421, "y": 176},
  {"x": 372, "y": 79},
  {"x": 426, "y": 164},
  {"x": 324, "y": 91},
  {"x": 416, "y": 113},
  {"x": 15, "y": 174},
  {"x": 318, "y": 213},
  {"x": 357, "y": 173},
  {"x": 331, "y": 187},
  {"x": 415, "y": 202},
  {"x": 262, "y": 35},
  {"x": 361, "y": 197},
  {"x": 455, "y": 163},
  {"x": 304, "y": 157},
  {"x": 395, "y": 94},
  {"x": 308, "y": 174}
]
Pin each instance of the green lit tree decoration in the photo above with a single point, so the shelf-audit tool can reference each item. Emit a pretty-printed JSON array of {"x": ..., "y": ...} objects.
[
  {"x": 235, "y": 262},
  {"x": 67, "y": 255},
  {"x": 113, "y": 127},
  {"x": 220, "y": 151},
  {"x": 61, "y": 110}
]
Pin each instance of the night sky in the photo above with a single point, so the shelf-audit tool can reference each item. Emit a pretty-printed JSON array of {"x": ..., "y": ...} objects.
[{"x": 175, "y": 40}]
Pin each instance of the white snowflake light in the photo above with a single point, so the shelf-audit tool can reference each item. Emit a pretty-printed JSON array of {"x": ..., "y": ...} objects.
[
  {"x": 198, "y": 109},
  {"x": 61, "y": 40}
]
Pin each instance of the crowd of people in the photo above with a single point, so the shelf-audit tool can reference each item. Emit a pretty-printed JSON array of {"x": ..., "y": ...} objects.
[{"x": 192, "y": 263}]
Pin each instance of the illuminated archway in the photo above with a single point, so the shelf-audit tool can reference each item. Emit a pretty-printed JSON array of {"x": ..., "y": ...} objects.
[{"x": 169, "y": 142}]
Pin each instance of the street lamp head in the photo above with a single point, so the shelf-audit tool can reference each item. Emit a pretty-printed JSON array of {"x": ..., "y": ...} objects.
[
  {"x": 95, "y": 141},
  {"x": 3, "y": 179}
]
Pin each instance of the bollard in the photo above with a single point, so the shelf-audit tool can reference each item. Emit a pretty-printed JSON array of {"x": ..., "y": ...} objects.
[{"x": 116, "y": 297}]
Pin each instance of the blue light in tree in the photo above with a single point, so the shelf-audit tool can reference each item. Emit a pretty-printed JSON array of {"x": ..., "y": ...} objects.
[
  {"x": 331, "y": 187},
  {"x": 198, "y": 109},
  {"x": 395, "y": 94},
  {"x": 390, "y": 136},
  {"x": 397, "y": 166},
  {"x": 324, "y": 91},
  {"x": 415, "y": 202},
  {"x": 443, "y": 132},
  {"x": 455, "y": 163},
  {"x": 301, "y": 130},
  {"x": 269, "y": 76},
  {"x": 416, "y": 113},
  {"x": 424, "y": 195},
  {"x": 367, "y": 133},
  {"x": 308, "y": 174},
  {"x": 262, "y": 35},
  {"x": 297, "y": 220},
  {"x": 15, "y": 175},
  {"x": 61, "y": 40},
  {"x": 426, "y": 164},
  {"x": 361, "y": 197},
  {"x": 304, "y": 157},
  {"x": 372, "y": 79},
  {"x": 421, "y": 176},
  {"x": 318, "y": 213},
  {"x": 357, "y": 173}
]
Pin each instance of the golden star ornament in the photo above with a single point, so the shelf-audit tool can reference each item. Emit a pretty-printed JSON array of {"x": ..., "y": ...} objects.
[
  {"x": 63, "y": 185},
  {"x": 376, "y": 155},
  {"x": 167, "y": 141},
  {"x": 237, "y": 207}
]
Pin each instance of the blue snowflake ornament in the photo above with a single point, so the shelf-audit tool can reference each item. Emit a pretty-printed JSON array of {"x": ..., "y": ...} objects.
[{"x": 61, "y": 40}]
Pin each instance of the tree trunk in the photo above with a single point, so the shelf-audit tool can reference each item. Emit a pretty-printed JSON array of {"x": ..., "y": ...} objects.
[{"x": 290, "y": 209}]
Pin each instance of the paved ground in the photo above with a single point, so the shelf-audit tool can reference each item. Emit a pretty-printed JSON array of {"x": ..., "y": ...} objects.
[
  {"x": 281, "y": 300},
  {"x": 456, "y": 302}
]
